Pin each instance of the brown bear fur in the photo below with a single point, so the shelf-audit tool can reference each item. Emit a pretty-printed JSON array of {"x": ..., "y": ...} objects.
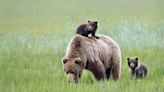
[
  {"x": 100, "y": 56},
  {"x": 138, "y": 70}
]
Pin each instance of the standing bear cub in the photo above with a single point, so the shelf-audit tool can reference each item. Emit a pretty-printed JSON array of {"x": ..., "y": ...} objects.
[
  {"x": 100, "y": 56},
  {"x": 86, "y": 29},
  {"x": 138, "y": 70}
]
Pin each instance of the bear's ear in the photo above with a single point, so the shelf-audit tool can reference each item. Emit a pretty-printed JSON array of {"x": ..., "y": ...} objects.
[
  {"x": 96, "y": 22},
  {"x": 64, "y": 60},
  {"x": 89, "y": 21},
  {"x": 136, "y": 58},
  {"x": 128, "y": 59}
]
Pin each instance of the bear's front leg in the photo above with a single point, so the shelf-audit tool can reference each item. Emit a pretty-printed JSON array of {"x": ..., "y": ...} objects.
[
  {"x": 93, "y": 34},
  {"x": 98, "y": 70}
]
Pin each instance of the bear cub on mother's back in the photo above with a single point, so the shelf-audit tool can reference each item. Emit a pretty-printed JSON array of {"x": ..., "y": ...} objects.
[
  {"x": 138, "y": 70},
  {"x": 86, "y": 29}
]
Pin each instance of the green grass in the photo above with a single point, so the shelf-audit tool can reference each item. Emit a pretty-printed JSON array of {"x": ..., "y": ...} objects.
[{"x": 34, "y": 35}]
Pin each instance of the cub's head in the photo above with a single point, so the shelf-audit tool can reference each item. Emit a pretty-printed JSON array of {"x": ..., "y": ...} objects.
[
  {"x": 92, "y": 25},
  {"x": 73, "y": 68},
  {"x": 132, "y": 63}
]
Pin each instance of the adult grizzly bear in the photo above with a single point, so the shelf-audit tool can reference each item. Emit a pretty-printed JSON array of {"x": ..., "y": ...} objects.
[{"x": 100, "y": 56}]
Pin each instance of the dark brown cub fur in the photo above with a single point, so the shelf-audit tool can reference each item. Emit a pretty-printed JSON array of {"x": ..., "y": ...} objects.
[
  {"x": 138, "y": 70},
  {"x": 86, "y": 29}
]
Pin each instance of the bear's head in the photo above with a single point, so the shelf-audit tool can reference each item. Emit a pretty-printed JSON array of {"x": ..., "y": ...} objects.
[
  {"x": 92, "y": 25},
  {"x": 132, "y": 63},
  {"x": 73, "y": 68}
]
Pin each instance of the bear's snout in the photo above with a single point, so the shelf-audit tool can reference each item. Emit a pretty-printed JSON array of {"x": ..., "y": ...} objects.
[
  {"x": 132, "y": 65},
  {"x": 72, "y": 78}
]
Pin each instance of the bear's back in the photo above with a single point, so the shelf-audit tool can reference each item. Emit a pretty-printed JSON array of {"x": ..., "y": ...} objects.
[{"x": 93, "y": 48}]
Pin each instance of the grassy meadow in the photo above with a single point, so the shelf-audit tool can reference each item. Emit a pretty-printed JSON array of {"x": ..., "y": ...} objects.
[{"x": 34, "y": 35}]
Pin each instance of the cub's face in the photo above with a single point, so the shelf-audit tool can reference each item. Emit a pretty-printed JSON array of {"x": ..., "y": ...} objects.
[
  {"x": 92, "y": 25},
  {"x": 132, "y": 63},
  {"x": 73, "y": 69}
]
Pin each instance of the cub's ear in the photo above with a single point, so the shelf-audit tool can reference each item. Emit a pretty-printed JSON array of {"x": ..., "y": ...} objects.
[
  {"x": 89, "y": 21},
  {"x": 96, "y": 22},
  {"x": 128, "y": 59},
  {"x": 137, "y": 58},
  {"x": 64, "y": 60}
]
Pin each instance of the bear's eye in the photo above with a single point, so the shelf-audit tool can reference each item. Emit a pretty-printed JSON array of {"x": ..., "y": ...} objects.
[
  {"x": 65, "y": 61},
  {"x": 70, "y": 72},
  {"x": 77, "y": 62}
]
